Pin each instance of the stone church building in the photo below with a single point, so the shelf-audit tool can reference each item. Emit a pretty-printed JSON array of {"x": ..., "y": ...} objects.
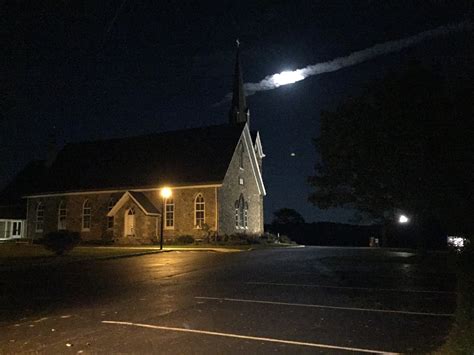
[{"x": 111, "y": 190}]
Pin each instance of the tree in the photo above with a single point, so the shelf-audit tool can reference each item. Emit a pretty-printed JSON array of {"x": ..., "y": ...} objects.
[
  {"x": 404, "y": 145},
  {"x": 287, "y": 221},
  {"x": 287, "y": 216}
]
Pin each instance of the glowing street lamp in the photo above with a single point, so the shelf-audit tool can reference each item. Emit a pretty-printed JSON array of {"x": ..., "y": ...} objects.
[
  {"x": 403, "y": 219},
  {"x": 165, "y": 193}
]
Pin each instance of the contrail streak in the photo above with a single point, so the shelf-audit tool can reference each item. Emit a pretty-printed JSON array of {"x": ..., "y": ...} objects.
[{"x": 274, "y": 81}]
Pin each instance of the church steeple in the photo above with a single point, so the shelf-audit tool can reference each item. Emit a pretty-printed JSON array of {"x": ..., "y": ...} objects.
[{"x": 239, "y": 112}]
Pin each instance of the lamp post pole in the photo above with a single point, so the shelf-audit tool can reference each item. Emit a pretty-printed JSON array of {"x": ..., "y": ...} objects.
[
  {"x": 162, "y": 222},
  {"x": 165, "y": 193}
]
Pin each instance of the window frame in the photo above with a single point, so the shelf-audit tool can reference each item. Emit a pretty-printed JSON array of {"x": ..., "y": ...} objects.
[
  {"x": 86, "y": 206},
  {"x": 39, "y": 218},
  {"x": 62, "y": 215},
  {"x": 16, "y": 227},
  {"x": 246, "y": 215},
  {"x": 169, "y": 203},
  {"x": 241, "y": 213},
  {"x": 200, "y": 202}
]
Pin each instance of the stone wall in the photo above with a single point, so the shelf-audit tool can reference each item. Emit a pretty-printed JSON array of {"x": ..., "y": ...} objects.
[
  {"x": 184, "y": 210},
  {"x": 146, "y": 226},
  {"x": 230, "y": 191},
  {"x": 74, "y": 203}
]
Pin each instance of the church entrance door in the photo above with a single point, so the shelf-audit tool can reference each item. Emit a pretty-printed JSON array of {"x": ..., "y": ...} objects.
[{"x": 129, "y": 222}]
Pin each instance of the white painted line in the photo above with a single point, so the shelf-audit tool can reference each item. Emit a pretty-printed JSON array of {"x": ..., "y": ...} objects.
[
  {"x": 326, "y": 307},
  {"x": 248, "y": 337},
  {"x": 348, "y": 288}
]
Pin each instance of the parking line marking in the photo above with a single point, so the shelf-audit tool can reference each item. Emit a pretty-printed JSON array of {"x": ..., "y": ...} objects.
[
  {"x": 325, "y": 307},
  {"x": 248, "y": 337},
  {"x": 348, "y": 287}
]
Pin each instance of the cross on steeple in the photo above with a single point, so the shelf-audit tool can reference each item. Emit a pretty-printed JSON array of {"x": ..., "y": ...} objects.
[{"x": 239, "y": 112}]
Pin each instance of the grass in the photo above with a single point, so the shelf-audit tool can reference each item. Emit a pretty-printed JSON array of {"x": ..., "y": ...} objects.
[
  {"x": 26, "y": 254},
  {"x": 14, "y": 254},
  {"x": 461, "y": 336}
]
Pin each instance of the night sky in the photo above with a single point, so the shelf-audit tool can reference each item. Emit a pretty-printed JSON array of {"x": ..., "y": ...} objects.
[{"x": 114, "y": 68}]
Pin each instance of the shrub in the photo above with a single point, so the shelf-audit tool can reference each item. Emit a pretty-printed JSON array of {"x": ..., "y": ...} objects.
[
  {"x": 184, "y": 239},
  {"x": 461, "y": 339},
  {"x": 238, "y": 239},
  {"x": 61, "y": 242},
  {"x": 285, "y": 239}
]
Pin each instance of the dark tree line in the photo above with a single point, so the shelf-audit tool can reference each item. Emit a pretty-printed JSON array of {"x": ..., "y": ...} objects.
[{"x": 406, "y": 145}]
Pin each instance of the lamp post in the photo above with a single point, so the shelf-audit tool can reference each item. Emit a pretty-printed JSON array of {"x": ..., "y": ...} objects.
[
  {"x": 165, "y": 193},
  {"x": 403, "y": 219}
]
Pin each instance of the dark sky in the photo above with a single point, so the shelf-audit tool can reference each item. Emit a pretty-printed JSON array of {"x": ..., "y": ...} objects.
[{"x": 164, "y": 64}]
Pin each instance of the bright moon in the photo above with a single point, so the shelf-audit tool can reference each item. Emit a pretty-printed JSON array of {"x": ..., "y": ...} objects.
[{"x": 287, "y": 77}]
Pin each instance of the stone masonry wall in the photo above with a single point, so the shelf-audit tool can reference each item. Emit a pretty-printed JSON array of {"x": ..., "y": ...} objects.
[
  {"x": 74, "y": 203},
  {"x": 184, "y": 211},
  {"x": 146, "y": 226},
  {"x": 230, "y": 191}
]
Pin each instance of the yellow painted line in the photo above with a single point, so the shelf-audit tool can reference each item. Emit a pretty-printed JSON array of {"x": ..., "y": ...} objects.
[
  {"x": 348, "y": 288},
  {"x": 325, "y": 307},
  {"x": 247, "y": 337}
]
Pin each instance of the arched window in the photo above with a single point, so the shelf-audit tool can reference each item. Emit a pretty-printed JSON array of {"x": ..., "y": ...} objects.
[
  {"x": 241, "y": 213},
  {"x": 241, "y": 155},
  {"x": 86, "y": 216},
  {"x": 129, "y": 222},
  {"x": 39, "y": 221},
  {"x": 110, "y": 220},
  {"x": 169, "y": 213},
  {"x": 62, "y": 214},
  {"x": 237, "y": 220},
  {"x": 246, "y": 215},
  {"x": 199, "y": 211}
]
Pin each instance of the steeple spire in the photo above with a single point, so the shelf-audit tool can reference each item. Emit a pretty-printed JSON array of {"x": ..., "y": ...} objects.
[{"x": 239, "y": 112}]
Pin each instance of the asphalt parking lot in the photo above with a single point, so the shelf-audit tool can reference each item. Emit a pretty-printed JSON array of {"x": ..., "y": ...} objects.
[{"x": 300, "y": 300}]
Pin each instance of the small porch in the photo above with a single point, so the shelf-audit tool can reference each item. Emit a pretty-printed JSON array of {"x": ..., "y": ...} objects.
[
  {"x": 136, "y": 219},
  {"x": 11, "y": 229}
]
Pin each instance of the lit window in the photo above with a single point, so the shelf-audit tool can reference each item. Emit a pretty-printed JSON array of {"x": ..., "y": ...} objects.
[
  {"x": 169, "y": 213},
  {"x": 246, "y": 215},
  {"x": 62, "y": 214},
  {"x": 241, "y": 181},
  {"x": 237, "y": 214},
  {"x": 39, "y": 222},
  {"x": 199, "y": 211},
  {"x": 86, "y": 216},
  {"x": 241, "y": 213},
  {"x": 110, "y": 220}
]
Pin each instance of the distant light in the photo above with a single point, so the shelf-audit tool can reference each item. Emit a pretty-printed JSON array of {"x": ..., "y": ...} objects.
[
  {"x": 287, "y": 77},
  {"x": 165, "y": 192},
  {"x": 456, "y": 242},
  {"x": 293, "y": 154},
  {"x": 403, "y": 219}
]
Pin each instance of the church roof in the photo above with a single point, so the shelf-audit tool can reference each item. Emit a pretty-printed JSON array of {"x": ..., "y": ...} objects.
[
  {"x": 184, "y": 157},
  {"x": 140, "y": 199}
]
